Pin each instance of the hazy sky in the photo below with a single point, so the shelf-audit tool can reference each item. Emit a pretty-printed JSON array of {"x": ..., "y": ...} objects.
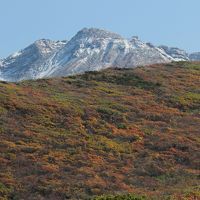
[{"x": 170, "y": 22}]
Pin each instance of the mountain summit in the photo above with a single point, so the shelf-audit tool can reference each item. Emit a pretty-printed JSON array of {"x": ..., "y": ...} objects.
[
  {"x": 96, "y": 33},
  {"x": 90, "y": 49},
  {"x": 29, "y": 62}
]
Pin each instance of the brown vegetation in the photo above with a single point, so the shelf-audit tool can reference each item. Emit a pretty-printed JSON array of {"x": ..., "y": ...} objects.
[{"x": 110, "y": 132}]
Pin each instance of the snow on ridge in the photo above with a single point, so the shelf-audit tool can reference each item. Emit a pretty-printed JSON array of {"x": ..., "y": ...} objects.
[{"x": 90, "y": 49}]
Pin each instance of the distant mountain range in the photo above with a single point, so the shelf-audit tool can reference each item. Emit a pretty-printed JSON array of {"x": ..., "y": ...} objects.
[{"x": 89, "y": 50}]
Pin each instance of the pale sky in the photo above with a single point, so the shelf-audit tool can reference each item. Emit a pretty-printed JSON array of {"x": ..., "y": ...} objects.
[{"x": 169, "y": 22}]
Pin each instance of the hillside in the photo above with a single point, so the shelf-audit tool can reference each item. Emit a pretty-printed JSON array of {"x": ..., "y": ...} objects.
[{"x": 112, "y": 132}]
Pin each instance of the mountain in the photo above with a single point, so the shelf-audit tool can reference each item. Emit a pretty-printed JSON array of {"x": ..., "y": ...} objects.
[
  {"x": 195, "y": 56},
  {"x": 94, "y": 49},
  {"x": 176, "y": 53},
  {"x": 29, "y": 63},
  {"x": 89, "y": 50},
  {"x": 116, "y": 131}
]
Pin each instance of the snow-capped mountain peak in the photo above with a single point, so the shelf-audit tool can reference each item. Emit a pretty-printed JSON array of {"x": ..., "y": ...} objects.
[
  {"x": 96, "y": 33},
  {"x": 25, "y": 64},
  {"x": 176, "y": 53},
  {"x": 90, "y": 49}
]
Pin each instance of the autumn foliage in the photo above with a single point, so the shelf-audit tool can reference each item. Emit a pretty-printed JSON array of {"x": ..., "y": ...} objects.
[{"x": 107, "y": 133}]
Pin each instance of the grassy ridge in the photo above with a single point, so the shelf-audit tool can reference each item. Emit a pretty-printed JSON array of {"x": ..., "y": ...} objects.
[{"x": 110, "y": 132}]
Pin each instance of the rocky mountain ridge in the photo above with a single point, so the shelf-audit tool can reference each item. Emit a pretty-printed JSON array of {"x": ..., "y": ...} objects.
[{"x": 89, "y": 50}]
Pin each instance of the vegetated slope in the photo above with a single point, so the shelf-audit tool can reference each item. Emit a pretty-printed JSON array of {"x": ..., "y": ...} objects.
[{"x": 112, "y": 132}]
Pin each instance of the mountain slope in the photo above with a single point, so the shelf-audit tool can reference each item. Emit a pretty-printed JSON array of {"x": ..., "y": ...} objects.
[
  {"x": 28, "y": 63},
  {"x": 94, "y": 49},
  {"x": 176, "y": 53},
  {"x": 89, "y": 50},
  {"x": 109, "y": 132},
  {"x": 195, "y": 56}
]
